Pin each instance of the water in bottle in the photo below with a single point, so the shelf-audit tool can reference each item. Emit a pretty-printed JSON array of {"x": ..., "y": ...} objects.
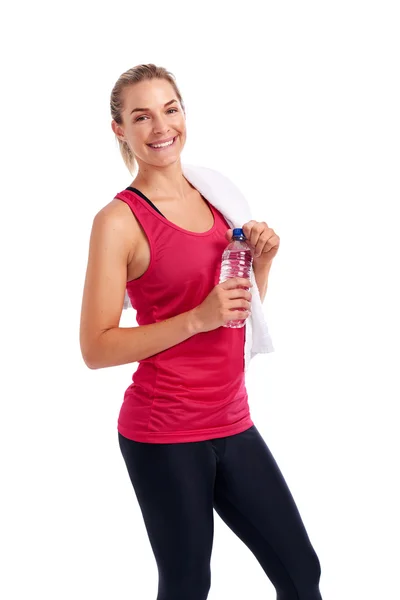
[{"x": 237, "y": 260}]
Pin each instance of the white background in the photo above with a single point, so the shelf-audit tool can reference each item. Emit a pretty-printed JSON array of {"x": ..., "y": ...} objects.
[{"x": 296, "y": 102}]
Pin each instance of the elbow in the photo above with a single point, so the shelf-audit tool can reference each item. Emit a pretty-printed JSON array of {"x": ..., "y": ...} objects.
[
  {"x": 91, "y": 364},
  {"x": 92, "y": 353},
  {"x": 90, "y": 356},
  {"x": 90, "y": 361}
]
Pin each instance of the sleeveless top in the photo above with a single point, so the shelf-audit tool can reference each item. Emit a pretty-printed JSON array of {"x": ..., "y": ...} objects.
[{"x": 194, "y": 390}]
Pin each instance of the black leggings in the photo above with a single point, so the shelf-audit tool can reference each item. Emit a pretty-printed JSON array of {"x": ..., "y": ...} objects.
[{"x": 178, "y": 485}]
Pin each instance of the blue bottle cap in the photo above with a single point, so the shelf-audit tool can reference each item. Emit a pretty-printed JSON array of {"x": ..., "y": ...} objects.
[{"x": 238, "y": 231}]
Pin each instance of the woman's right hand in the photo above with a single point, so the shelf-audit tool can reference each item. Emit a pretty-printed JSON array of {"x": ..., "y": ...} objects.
[{"x": 223, "y": 303}]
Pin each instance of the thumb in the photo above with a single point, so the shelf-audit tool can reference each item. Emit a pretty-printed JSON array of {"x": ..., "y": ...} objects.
[{"x": 229, "y": 234}]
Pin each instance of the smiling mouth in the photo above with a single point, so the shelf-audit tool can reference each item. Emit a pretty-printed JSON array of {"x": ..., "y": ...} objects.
[{"x": 163, "y": 146}]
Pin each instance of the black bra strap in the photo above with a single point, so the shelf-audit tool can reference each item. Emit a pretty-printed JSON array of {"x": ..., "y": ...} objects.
[{"x": 145, "y": 198}]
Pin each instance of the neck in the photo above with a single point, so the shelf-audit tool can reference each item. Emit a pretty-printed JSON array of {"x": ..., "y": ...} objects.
[{"x": 162, "y": 181}]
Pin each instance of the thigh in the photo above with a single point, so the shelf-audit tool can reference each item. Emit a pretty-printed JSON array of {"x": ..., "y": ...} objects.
[
  {"x": 174, "y": 486},
  {"x": 252, "y": 497}
]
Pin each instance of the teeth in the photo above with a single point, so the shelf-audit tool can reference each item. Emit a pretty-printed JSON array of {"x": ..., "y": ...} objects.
[{"x": 162, "y": 145}]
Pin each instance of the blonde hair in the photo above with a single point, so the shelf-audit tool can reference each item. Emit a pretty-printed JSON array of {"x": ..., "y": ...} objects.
[{"x": 131, "y": 77}]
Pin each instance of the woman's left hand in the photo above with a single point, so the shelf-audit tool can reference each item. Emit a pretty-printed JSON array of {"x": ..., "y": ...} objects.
[{"x": 262, "y": 240}]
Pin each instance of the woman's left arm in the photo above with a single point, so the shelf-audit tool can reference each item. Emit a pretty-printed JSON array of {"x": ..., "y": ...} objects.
[
  {"x": 261, "y": 273},
  {"x": 265, "y": 244}
]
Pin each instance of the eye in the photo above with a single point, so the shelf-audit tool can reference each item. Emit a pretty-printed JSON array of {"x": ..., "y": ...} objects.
[{"x": 174, "y": 110}]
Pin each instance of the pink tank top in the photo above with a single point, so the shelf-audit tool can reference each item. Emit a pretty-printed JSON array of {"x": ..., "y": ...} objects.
[{"x": 196, "y": 389}]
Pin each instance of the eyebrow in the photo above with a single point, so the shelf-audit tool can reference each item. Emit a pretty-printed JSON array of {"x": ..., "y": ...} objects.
[{"x": 144, "y": 109}]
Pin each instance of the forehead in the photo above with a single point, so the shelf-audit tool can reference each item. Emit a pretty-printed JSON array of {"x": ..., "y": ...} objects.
[{"x": 148, "y": 94}]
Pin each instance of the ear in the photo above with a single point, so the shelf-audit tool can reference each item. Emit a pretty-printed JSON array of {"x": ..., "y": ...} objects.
[{"x": 119, "y": 132}]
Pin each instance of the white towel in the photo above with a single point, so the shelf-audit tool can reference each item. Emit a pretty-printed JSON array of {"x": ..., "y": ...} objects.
[{"x": 227, "y": 198}]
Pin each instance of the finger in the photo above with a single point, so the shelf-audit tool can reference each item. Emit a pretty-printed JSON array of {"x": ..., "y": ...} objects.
[
  {"x": 248, "y": 230},
  {"x": 264, "y": 243}
]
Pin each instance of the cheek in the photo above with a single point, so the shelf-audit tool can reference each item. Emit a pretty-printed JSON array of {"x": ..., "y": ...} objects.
[
  {"x": 140, "y": 134},
  {"x": 182, "y": 137},
  {"x": 182, "y": 128}
]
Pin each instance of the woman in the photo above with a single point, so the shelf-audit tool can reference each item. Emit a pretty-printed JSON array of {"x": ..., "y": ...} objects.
[{"x": 185, "y": 430}]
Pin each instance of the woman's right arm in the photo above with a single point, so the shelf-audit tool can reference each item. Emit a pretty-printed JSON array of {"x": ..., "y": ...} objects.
[{"x": 103, "y": 343}]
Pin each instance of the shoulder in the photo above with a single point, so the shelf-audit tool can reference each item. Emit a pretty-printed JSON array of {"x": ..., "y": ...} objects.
[
  {"x": 216, "y": 185},
  {"x": 113, "y": 223},
  {"x": 113, "y": 214},
  {"x": 206, "y": 172},
  {"x": 210, "y": 177}
]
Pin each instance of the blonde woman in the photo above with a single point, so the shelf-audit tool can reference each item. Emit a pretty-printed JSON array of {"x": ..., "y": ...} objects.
[{"x": 185, "y": 430}]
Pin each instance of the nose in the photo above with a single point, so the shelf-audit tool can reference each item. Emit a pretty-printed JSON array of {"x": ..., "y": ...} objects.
[{"x": 160, "y": 125}]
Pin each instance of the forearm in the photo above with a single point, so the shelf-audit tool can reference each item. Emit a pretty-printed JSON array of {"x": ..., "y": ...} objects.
[
  {"x": 261, "y": 274},
  {"x": 123, "y": 345}
]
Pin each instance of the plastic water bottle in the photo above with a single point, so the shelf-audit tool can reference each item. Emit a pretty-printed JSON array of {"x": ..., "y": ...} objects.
[{"x": 237, "y": 260}]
